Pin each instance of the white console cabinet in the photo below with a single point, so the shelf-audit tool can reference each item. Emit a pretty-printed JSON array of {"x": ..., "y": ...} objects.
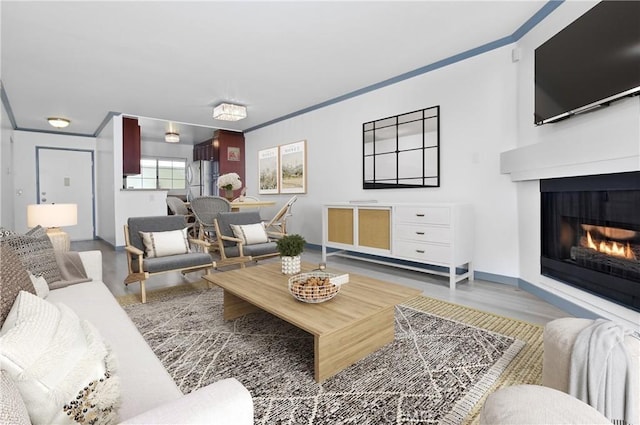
[{"x": 399, "y": 234}]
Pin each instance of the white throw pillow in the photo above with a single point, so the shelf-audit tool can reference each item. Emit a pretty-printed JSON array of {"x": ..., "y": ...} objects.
[
  {"x": 162, "y": 244},
  {"x": 59, "y": 363},
  {"x": 250, "y": 233},
  {"x": 40, "y": 285}
]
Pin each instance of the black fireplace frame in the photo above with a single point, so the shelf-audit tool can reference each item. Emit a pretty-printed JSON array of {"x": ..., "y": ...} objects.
[{"x": 614, "y": 288}]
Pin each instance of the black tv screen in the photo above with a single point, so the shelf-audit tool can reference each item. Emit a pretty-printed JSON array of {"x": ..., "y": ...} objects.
[{"x": 591, "y": 62}]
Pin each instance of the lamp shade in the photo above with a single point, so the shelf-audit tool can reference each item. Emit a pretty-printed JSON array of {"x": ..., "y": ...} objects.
[{"x": 52, "y": 215}]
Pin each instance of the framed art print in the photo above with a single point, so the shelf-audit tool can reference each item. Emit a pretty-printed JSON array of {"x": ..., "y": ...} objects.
[
  {"x": 293, "y": 167},
  {"x": 233, "y": 153},
  {"x": 268, "y": 171}
]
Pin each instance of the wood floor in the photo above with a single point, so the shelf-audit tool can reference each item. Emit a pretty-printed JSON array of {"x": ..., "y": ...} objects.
[{"x": 497, "y": 298}]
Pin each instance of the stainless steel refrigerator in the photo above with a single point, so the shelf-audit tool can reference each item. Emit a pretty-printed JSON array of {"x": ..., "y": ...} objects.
[{"x": 202, "y": 177}]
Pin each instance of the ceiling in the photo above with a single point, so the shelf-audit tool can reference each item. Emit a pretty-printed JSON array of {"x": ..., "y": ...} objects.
[{"x": 174, "y": 60}]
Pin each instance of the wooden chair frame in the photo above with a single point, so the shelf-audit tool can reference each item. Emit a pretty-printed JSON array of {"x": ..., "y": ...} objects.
[
  {"x": 279, "y": 221},
  {"x": 241, "y": 259},
  {"x": 142, "y": 276}
]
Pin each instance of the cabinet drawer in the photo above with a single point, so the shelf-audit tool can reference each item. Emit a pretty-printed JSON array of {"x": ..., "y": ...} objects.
[
  {"x": 426, "y": 215},
  {"x": 416, "y": 232},
  {"x": 423, "y": 252}
]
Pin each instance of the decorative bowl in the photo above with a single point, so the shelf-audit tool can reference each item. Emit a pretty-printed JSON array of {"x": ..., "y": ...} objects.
[{"x": 313, "y": 287}]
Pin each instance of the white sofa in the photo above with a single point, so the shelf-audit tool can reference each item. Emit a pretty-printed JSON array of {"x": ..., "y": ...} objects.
[
  {"x": 149, "y": 394},
  {"x": 550, "y": 402}
]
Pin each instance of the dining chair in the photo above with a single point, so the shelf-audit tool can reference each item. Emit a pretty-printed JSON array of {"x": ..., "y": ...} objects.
[
  {"x": 206, "y": 209},
  {"x": 278, "y": 223},
  {"x": 178, "y": 207}
]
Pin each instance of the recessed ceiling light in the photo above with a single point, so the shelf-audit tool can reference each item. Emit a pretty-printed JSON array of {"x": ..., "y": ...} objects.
[
  {"x": 229, "y": 112},
  {"x": 58, "y": 122},
  {"x": 171, "y": 137}
]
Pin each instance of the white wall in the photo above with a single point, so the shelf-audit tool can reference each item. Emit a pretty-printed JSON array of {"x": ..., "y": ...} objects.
[
  {"x": 24, "y": 163},
  {"x": 478, "y": 121},
  {"x": 6, "y": 171},
  {"x": 604, "y": 141},
  {"x": 105, "y": 178}
]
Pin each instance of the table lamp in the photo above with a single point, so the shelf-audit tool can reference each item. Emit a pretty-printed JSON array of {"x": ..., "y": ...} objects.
[{"x": 52, "y": 217}]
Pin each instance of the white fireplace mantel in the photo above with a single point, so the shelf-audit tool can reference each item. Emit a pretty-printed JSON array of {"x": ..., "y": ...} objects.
[{"x": 601, "y": 142}]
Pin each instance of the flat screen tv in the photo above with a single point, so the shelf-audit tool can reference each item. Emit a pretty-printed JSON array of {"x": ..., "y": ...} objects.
[{"x": 592, "y": 62}]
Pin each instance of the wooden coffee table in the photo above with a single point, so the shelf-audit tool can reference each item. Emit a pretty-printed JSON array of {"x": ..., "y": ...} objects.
[{"x": 356, "y": 322}]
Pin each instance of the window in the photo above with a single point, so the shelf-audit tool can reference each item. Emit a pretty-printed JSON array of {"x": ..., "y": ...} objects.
[{"x": 159, "y": 173}]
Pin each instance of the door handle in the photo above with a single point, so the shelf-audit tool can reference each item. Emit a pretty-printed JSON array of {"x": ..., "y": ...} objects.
[
  {"x": 420, "y": 251},
  {"x": 419, "y": 215},
  {"x": 419, "y": 233}
]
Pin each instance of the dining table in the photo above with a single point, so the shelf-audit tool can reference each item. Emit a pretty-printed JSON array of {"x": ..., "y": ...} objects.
[{"x": 238, "y": 205}]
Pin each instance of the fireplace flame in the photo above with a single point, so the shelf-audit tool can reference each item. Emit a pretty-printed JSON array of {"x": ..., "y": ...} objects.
[{"x": 611, "y": 248}]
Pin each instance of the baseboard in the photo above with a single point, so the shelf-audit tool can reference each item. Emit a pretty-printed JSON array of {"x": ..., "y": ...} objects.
[{"x": 558, "y": 301}]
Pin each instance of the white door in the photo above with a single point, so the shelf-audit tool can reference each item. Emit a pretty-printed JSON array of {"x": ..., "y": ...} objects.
[{"x": 65, "y": 176}]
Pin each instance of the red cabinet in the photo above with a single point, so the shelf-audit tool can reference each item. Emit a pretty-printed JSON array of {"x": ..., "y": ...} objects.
[
  {"x": 227, "y": 149},
  {"x": 130, "y": 146}
]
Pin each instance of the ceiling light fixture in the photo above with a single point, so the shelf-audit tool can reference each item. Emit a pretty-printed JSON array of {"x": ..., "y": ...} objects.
[
  {"x": 229, "y": 112},
  {"x": 171, "y": 137},
  {"x": 58, "y": 122}
]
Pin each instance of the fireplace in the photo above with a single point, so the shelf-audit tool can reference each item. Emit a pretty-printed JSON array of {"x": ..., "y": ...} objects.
[{"x": 590, "y": 234}]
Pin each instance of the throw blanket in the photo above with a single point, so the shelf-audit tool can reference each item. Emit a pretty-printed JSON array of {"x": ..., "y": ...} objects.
[
  {"x": 600, "y": 375},
  {"x": 71, "y": 269}
]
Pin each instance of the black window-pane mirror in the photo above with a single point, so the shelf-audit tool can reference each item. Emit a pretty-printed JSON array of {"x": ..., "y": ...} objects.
[{"x": 402, "y": 151}]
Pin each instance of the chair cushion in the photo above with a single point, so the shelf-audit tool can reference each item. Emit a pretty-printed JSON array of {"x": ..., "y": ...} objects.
[
  {"x": 162, "y": 244},
  {"x": 250, "y": 233},
  {"x": 256, "y": 250},
  {"x": 174, "y": 262},
  {"x": 152, "y": 224}
]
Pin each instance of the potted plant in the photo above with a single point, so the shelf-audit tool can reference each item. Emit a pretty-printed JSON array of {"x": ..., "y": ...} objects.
[{"x": 290, "y": 248}]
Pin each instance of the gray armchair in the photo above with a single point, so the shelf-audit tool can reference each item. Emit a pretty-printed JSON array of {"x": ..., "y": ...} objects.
[
  {"x": 141, "y": 265},
  {"x": 234, "y": 250}
]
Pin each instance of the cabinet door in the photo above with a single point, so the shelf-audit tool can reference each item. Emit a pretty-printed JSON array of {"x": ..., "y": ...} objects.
[
  {"x": 374, "y": 228},
  {"x": 340, "y": 225},
  {"x": 130, "y": 146}
]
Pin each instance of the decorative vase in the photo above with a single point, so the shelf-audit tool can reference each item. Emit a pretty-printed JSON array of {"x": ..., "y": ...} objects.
[
  {"x": 228, "y": 193},
  {"x": 290, "y": 265}
]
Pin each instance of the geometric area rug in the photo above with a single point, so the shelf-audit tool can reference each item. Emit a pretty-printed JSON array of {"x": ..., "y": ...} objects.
[{"x": 438, "y": 369}]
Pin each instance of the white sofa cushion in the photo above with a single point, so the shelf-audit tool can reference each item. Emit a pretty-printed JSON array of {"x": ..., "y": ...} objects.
[
  {"x": 40, "y": 285},
  {"x": 144, "y": 382},
  {"x": 537, "y": 405},
  {"x": 58, "y": 362},
  {"x": 226, "y": 402}
]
